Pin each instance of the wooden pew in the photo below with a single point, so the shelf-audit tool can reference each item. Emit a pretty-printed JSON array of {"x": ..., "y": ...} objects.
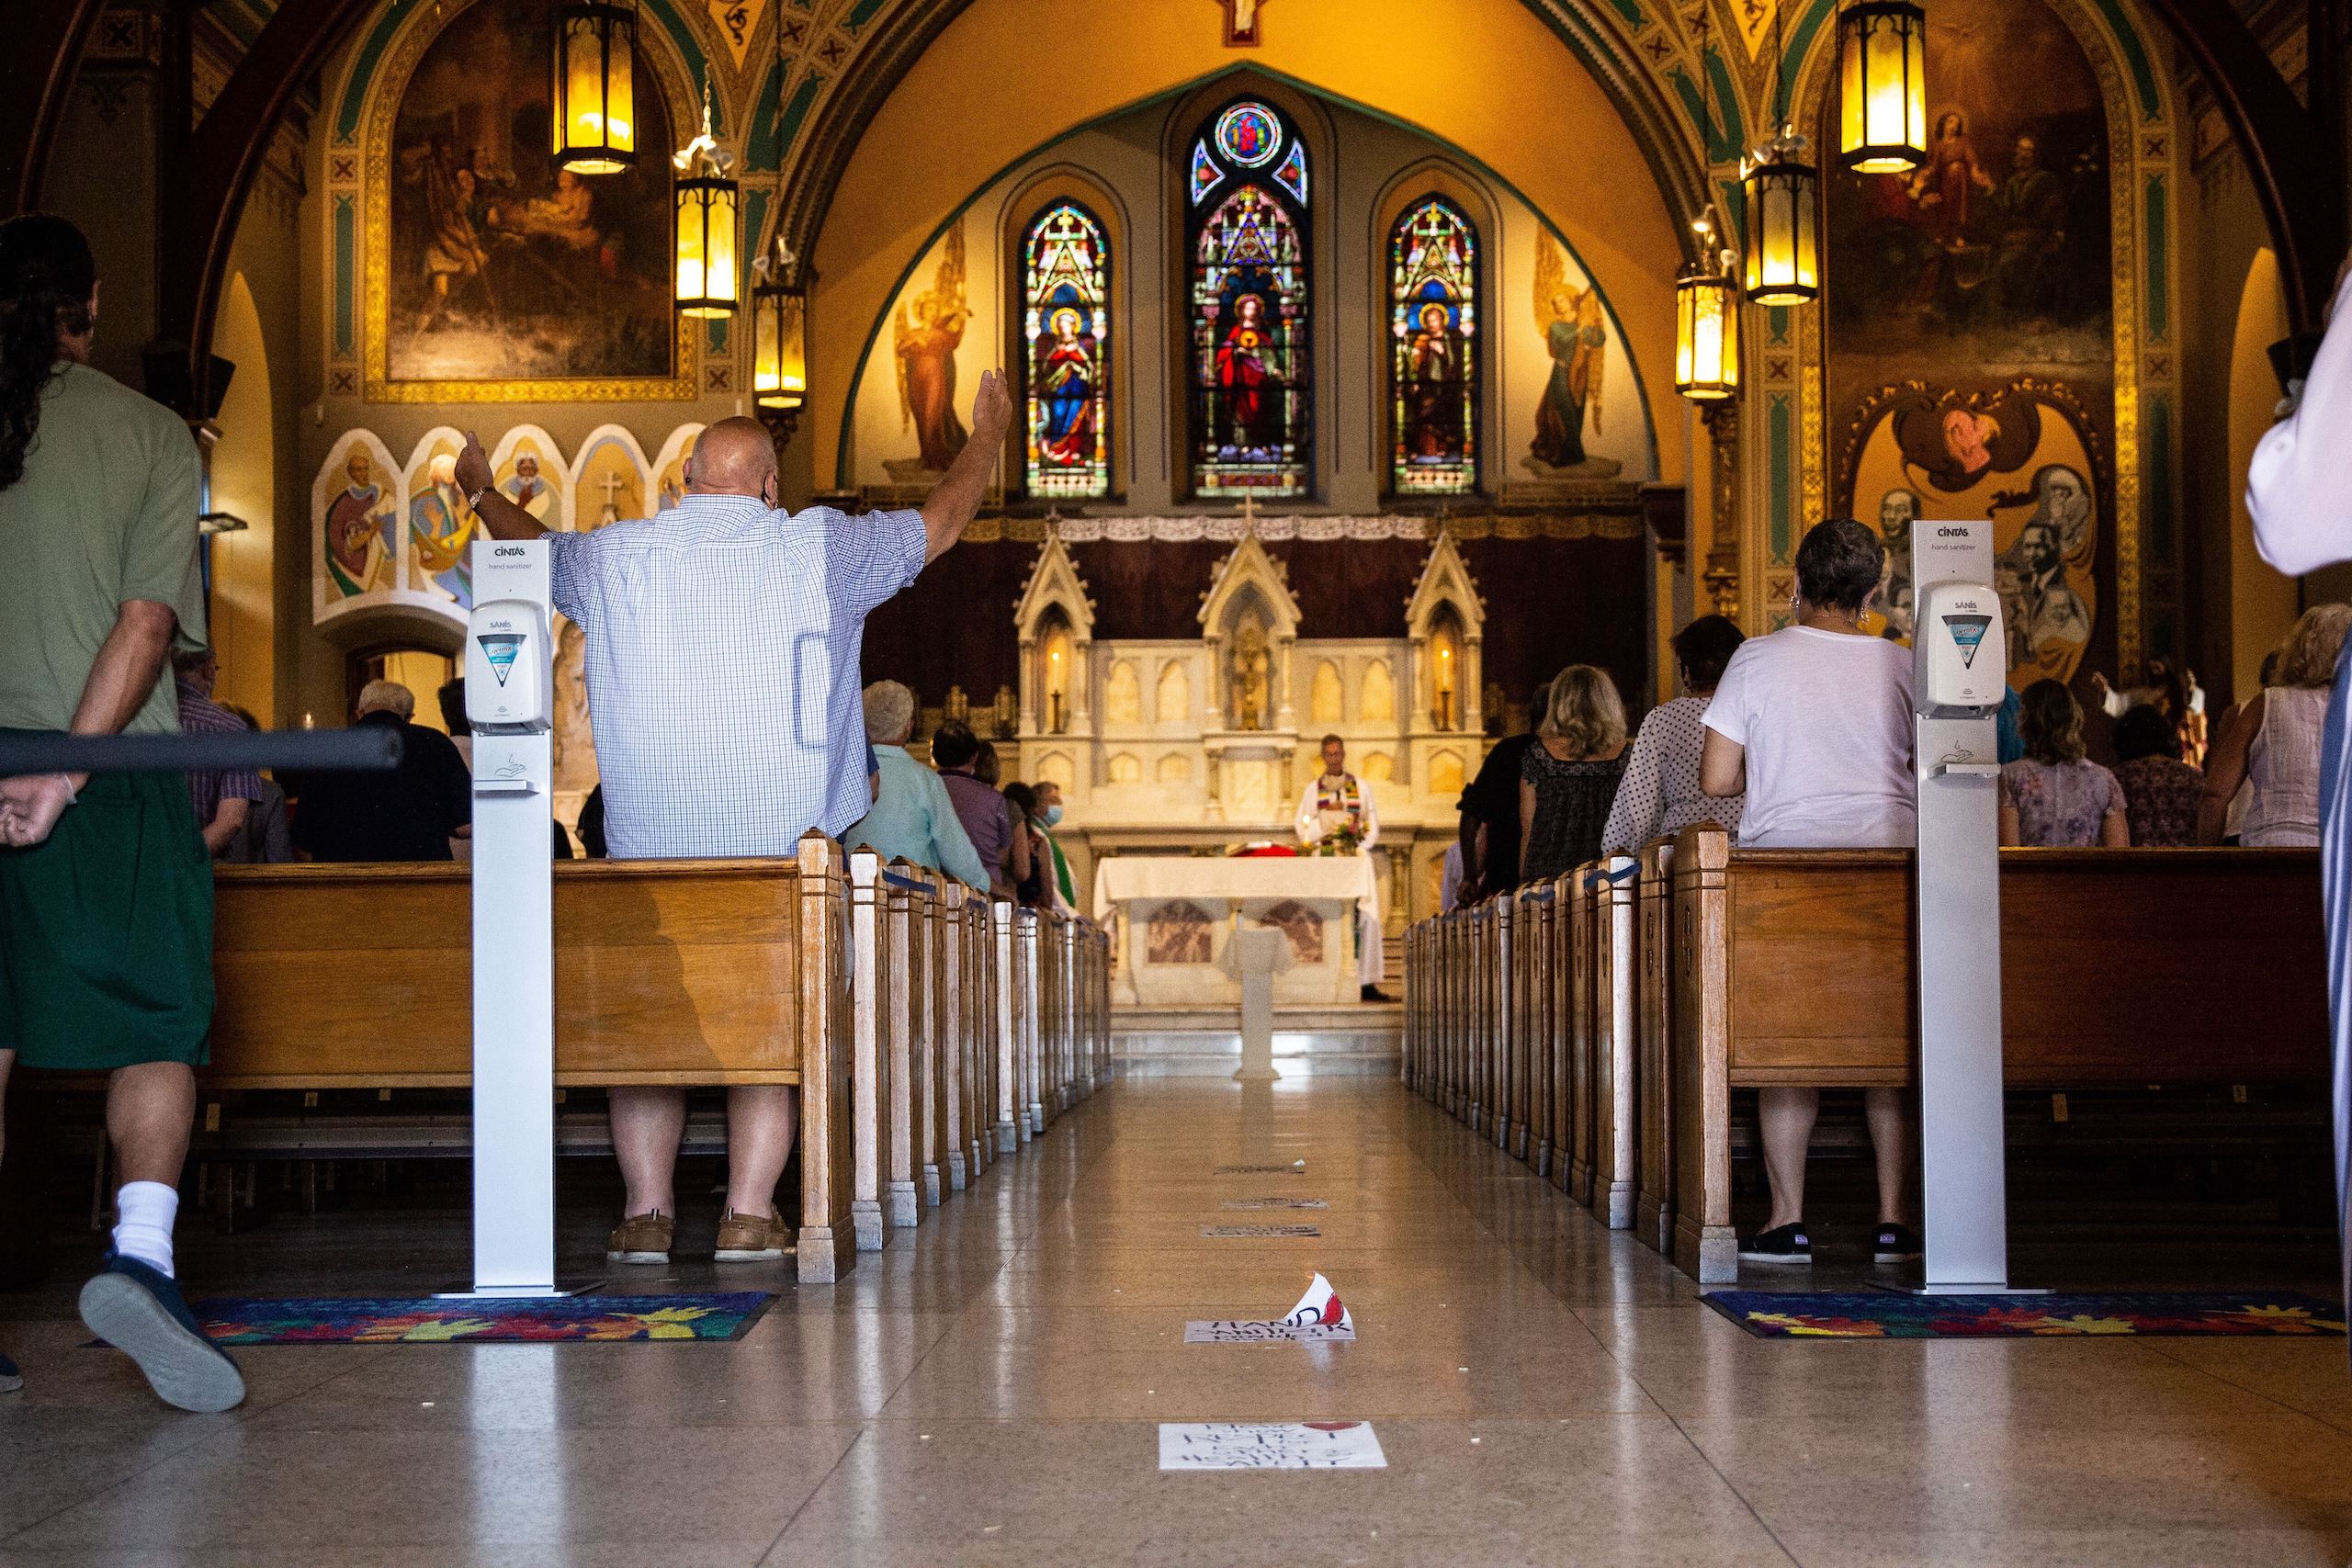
[
  {"x": 681, "y": 973},
  {"x": 1538, "y": 908},
  {"x": 950, "y": 992},
  {"x": 1796, "y": 966},
  {"x": 874, "y": 972},
  {"x": 1612, "y": 1062},
  {"x": 1653, "y": 1136},
  {"x": 1575, "y": 1179}
]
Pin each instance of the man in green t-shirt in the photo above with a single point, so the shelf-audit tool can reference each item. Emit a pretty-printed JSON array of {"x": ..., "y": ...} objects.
[{"x": 106, "y": 889}]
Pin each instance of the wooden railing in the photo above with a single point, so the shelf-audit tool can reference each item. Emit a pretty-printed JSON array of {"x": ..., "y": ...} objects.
[
  {"x": 891, "y": 999},
  {"x": 1597, "y": 1025}
]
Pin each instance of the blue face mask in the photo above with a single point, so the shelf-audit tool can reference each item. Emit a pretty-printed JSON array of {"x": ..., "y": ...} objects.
[{"x": 1053, "y": 814}]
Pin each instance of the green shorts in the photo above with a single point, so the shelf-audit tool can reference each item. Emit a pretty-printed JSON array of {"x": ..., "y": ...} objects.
[{"x": 106, "y": 931}]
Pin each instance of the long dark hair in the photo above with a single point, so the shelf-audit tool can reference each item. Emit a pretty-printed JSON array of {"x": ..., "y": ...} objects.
[{"x": 46, "y": 277}]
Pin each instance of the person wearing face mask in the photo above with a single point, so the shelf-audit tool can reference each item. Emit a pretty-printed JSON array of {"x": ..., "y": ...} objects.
[{"x": 1049, "y": 817}]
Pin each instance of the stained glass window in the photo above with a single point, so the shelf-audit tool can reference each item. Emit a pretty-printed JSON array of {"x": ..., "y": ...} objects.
[
  {"x": 1066, "y": 323},
  {"x": 1253, "y": 409},
  {"x": 1433, "y": 348}
]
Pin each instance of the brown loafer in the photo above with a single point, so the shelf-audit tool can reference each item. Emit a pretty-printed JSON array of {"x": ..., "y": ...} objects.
[
  {"x": 753, "y": 1238},
  {"x": 640, "y": 1238}
]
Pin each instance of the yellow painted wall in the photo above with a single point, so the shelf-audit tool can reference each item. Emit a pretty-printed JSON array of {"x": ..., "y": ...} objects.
[
  {"x": 1492, "y": 80},
  {"x": 245, "y": 481},
  {"x": 2263, "y": 602}
]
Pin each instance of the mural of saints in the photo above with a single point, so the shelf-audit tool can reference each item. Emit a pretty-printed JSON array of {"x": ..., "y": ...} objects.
[
  {"x": 526, "y": 489},
  {"x": 2020, "y": 456},
  {"x": 926, "y": 346},
  {"x": 1576, "y": 337},
  {"x": 440, "y": 527},
  {"x": 361, "y": 531}
]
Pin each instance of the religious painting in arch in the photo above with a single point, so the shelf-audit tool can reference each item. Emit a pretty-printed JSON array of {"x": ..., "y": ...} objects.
[
  {"x": 2025, "y": 456},
  {"x": 1434, "y": 365},
  {"x": 357, "y": 504},
  {"x": 495, "y": 273},
  {"x": 440, "y": 525},
  {"x": 1246, "y": 233},
  {"x": 926, "y": 333},
  {"x": 1971, "y": 343},
  {"x": 1065, "y": 332},
  {"x": 1573, "y": 328}
]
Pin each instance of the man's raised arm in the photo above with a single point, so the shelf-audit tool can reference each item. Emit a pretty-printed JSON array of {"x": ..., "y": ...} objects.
[
  {"x": 955, "y": 499},
  {"x": 500, "y": 516}
]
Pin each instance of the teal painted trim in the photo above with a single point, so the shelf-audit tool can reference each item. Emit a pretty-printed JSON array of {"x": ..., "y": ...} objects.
[
  {"x": 1727, "y": 103},
  {"x": 2135, "y": 55},
  {"x": 1783, "y": 460},
  {"x": 1723, "y": 142},
  {"x": 862, "y": 13},
  {"x": 1630, "y": 13},
  {"x": 874, "y": 335},
  {"x": 380, "y": 38},
  {"x": 803, "y": 97},
  {"x": 2159, "y": 312},
  {"x": 763, "y": 149},
  {"x": 347, "y": 258},
  {"x": 1732, "y": 198},
  {"x": 1778, "y": 320},
  {"x": 2156, "y": 476}
]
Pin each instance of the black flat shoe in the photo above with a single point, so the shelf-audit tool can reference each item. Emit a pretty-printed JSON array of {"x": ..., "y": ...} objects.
[
  {"x": 1895, "y": 1244},
  {"x": 1788, "y": 1244}
]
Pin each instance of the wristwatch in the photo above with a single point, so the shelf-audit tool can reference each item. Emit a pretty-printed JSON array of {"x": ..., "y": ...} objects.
[{"x": 473, "y": 502}]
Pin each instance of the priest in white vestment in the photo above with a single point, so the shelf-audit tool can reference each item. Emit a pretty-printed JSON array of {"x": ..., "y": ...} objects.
[{"x": 1335, "y": 804}]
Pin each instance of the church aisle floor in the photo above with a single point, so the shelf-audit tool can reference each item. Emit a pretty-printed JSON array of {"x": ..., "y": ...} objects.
[{"x": 986, "y": 1392}]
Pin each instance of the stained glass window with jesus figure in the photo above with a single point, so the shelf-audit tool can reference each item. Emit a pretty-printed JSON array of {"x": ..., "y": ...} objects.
[
  {"x": 1066, "y": 323},
  {"x": 1253, "y": 409},
  {"x": 1433, "y": 349}
]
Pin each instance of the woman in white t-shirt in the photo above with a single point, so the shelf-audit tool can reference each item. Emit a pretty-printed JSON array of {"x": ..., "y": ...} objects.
[{"x": 1813, "y": 722}]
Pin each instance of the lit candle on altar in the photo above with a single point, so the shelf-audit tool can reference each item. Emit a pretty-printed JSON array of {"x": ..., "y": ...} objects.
[
  {"x": 1445, "y": 687},
  {"x": 1053, "y": 687}
]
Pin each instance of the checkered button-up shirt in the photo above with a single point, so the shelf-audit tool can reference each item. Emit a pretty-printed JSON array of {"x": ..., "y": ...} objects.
[{"x": 722, "y": 645}]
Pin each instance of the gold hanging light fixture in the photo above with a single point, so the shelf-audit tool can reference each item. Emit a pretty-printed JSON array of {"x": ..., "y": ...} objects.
[
  {"x": 1882, "y": 87},
  {"x": 1706, "y": 320},
  {"x": 709, "y": 199},
  {"x": 1781, "y": 190},
  {"x": 1706, "y": 296},
  {"x": 779, "y": 340},
  {"x": 593, "y": 104}
]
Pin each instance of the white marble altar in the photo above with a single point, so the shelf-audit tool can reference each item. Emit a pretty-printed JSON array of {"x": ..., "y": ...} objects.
[{"x": 1174, "y": 916}]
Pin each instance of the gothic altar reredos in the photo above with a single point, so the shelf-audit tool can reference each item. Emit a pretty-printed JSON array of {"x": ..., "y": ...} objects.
[{"x": 1163, "y": 746}]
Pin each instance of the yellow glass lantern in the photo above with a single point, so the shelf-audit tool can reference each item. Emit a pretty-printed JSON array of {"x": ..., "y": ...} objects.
[
  {"x": 1883, "y": 92},
  {"x": 1706, "y": 334},
  {"x": 708, "y": 200},
  {"x": 1782, "y": 193},
  {"x": 779, "y": 333},
  {"x": 593, "y": 110}
]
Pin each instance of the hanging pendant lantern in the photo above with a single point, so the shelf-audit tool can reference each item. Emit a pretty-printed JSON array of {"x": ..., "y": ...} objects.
[
  {"x": 708, "y": 198},
  {"x": 1706, "y": 322},
  {"x": 1782, "y": 192},
  {"x": 1883, "y": 92},
  {"x": 593, "y": 108},
  {"x": 779, "y": 340}
]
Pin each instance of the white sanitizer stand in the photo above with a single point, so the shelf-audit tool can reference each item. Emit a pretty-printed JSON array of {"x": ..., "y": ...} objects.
[
  {"x": 1959, "y": 674},
  {"x": 509, "y": 703}
]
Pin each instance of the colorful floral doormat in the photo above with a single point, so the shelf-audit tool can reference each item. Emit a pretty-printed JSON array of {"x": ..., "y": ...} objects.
[
  {"x": 232, "y": 1320},
  {"x": 1884, "y": 1315}
]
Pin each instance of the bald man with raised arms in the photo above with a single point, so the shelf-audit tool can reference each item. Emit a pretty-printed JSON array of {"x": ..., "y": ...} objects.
[{"x": 723, "y": 651}]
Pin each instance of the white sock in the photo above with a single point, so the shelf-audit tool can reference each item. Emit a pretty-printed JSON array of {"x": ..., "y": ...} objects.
[{"x": 144, "y": 1212}]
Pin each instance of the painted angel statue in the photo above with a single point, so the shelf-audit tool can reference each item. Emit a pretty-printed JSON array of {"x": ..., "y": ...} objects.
[{"x": 1578, "y": 340}]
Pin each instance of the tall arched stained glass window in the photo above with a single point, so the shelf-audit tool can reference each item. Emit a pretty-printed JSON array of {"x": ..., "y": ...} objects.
[
  {"x": 1433, "y": 349},
  {"x": 1253, "y": 408},
  {"x": 1066, "y": 324}
]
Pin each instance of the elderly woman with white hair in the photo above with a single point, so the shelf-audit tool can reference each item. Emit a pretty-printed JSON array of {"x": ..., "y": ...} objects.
[{"x": 913, "y": 817}]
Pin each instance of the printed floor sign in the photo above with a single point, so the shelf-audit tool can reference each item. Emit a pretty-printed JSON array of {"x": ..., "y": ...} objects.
[
  {"x": 1245, "y": 1331},
  {"x": 1270, "y": 1445},
  {"x": 1260, "y": 1230}
]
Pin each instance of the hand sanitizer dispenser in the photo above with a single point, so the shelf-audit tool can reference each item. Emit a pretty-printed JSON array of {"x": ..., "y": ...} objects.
[
  {"x": 510, "y": 703},
  {"x": 1958, "y": 677}
]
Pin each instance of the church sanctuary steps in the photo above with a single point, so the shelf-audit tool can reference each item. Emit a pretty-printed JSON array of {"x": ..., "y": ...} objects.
[
  {"x": 875, "y": 991},
  {"x": 1695, "y": 969}
]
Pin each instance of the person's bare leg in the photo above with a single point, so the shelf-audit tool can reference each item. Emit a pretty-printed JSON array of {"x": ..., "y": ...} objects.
[
  {"x": 648, "y": 1125},
  {"x": 1891, "y": 1141},
  {"x": 149, "y": 1111},
  {"x": 762, "y": 1119},
  {"x": 1787, "y": 1115}
]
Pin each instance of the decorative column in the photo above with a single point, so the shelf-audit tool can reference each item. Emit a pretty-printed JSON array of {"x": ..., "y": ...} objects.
[
  {"x": 1721, "y": 575},
  {"x": 1029, "y": 693}
]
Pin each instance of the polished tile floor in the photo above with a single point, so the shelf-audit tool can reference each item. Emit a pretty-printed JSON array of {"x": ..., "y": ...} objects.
[{"x": 986, "y": 1392}]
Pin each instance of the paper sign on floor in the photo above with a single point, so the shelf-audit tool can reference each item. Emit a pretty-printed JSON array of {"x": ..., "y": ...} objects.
[
  {"x": 1270, "y": 1445},
  {"x": 1274, "y": 1203},
  {"x": 1260, "y": 1230},
  {"x": 1243, "y": 1331},
  {"x": 1260, "y": 1169}
]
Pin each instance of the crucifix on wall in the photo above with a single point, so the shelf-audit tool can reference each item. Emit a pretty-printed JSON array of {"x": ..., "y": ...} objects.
[{"x": 1241, "y": 22}]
